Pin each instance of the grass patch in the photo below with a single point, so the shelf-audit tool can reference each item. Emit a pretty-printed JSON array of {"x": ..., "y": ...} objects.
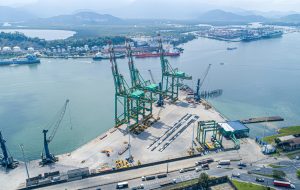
[
  {"x": 249, "y": 186},
  {"x": 276, "y": 166},
  {"x": 184, "y": 184},
  {"x": 292, "y": 155},
  {"x": 261, "y": 174},
  {"x": 283, "y": 132}
]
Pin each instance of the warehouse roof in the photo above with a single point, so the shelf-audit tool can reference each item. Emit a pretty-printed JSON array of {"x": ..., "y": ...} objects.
[{"x": 231, "y": 126}]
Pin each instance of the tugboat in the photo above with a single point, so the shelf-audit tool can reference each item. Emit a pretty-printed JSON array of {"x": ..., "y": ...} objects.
[
  {"x": 100, "y": 56},
  {"x": 29, "y": 59}
]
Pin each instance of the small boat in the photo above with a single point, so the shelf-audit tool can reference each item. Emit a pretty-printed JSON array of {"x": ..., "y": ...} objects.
[
  {"x": 231, "y": 48},
  {"x": 29, "y": 59},
  {"x": 100, "y": 56}
]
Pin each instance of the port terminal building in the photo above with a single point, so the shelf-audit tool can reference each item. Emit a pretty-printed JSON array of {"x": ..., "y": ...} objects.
[{"x": 236, "y": 128}]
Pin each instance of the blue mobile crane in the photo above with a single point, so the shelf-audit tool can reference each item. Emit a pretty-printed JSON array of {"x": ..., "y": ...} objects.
[{"x": 47, "y": 157}]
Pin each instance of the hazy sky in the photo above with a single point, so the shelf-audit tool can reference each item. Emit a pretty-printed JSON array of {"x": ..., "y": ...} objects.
[{"x": 150, "y": 8}]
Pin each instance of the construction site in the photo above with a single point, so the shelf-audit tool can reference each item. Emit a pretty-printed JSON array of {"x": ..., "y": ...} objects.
[{"x": 153, "y": 122}]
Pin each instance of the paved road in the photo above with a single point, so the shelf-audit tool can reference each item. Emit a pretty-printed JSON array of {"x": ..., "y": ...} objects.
[{"x": 133, "y": 177}]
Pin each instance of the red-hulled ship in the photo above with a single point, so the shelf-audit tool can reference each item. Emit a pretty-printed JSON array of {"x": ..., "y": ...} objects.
[{"x": 144, "y": 55}]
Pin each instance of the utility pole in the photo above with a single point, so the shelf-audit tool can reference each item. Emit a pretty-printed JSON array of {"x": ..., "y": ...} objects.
[{"x": 22, "y": 148}]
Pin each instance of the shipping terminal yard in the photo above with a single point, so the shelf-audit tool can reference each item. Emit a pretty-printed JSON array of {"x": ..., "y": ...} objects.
[{"x": 155, "y": 123}]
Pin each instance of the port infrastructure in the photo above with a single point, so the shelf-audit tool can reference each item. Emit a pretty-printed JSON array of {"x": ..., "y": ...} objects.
[
  {"x": 138, "y": 83},
  {"x": 131, "y": 103},
  {"x": 47, "y": 157},
  {"x": 171, "y": 77},
  {"x": 197, "y": 94},
  {"x": 6, "y": 160},
  {"x": 216, "y": 138}
]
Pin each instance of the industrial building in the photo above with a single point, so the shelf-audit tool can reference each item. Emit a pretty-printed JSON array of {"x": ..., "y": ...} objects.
[
  {"x": 289, "y": 142},
  {"x": 237, "y": 128}
]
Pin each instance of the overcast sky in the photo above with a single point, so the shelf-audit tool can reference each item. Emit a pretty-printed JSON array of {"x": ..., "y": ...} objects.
[{"x": 150, "y": 8}]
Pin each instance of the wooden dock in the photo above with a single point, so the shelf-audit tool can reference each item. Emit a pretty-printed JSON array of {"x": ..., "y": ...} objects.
[{"x": 262, "y": 119}]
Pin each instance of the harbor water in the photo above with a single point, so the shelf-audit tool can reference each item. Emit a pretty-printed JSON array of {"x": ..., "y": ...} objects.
[{"x": 259, "y": 78}]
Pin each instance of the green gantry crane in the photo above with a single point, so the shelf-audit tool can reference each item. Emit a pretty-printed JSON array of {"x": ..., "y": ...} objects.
[
  {"x": 136, "y": 104},
  {"x": 209, "y": 126},
  {"x": 170, "y": 76},
  {"x": 122, "y": 115},
  {"x": 138, "y": 83}
]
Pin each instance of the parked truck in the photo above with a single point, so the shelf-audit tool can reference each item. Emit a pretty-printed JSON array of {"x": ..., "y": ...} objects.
[
  {"x": 284, "y": 184},
  {"x": 224, "y": 162}
]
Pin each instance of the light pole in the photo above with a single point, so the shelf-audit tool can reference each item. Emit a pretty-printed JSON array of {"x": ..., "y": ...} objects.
[
  {"x": 129, "y": 146},
  {"x": 22, "y": 149}
]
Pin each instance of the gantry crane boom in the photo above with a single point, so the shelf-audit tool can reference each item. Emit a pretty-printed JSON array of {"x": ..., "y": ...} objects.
[{"x": 151, "y": 75}]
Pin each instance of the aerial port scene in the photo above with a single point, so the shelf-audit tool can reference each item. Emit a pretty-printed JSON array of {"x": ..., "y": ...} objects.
[{"x": 140, "y": 94}]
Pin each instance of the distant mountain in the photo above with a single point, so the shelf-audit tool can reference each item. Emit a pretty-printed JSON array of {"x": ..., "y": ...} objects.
[
  {"x": 77, "y": 19},
  {"x": 294, "y": 18},
  {"x": 8, "y": 14},
  {"x": 229, "y": 17}
]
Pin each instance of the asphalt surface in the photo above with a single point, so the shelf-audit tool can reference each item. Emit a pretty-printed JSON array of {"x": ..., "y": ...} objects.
[{"x": 289, "y": 167}]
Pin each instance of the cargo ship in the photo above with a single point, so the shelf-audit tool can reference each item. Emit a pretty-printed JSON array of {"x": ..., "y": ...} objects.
[
  {"x": 144, "y": 55},
  {"x": 29, "y": 59},
  {"x": 100, "y": 56},
  {"x": 265, "y": 35}
]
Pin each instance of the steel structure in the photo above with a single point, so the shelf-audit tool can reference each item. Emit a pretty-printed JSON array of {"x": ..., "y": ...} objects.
[
  {"x": 171, "y": 77},
  {"x": 6, "y": 160},
  {"x": 135, "y": 102},
  {"x": 197, "y": 95},
  {"x": 209, "y": 126},
  {"x": 47, "y": 157},
  {"x": 160, "y": 101},
  {"x": 122, "y": 101}
]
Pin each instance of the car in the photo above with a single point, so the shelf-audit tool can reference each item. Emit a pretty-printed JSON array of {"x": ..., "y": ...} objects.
[
  {"x": 236, "y": 175},
  {"x": 240, "y": 167},
  {"x": 143, "y": 178},
  {"x": 241, "y": 164},
  {"x": 218, "y": 166},
  {"x": 258, "y": 179},
  {"x": 174, "y": 181},
  {"x": 197, "y": 169},
  {"x": 257, "y": 169},
  {"x": 181, "y": 170}
]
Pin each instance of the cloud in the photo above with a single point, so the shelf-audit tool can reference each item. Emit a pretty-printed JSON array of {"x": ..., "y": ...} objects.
[{"x": 16, "y": 2}]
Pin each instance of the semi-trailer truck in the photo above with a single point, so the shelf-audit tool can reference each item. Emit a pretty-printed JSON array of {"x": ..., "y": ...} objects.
[{"x": 284, "y": 184}]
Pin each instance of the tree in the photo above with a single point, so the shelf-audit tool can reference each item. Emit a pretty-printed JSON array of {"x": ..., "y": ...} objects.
[
  {"x": 203, "y": 181},
  {"x": 298, "y": 174},
  {"x": 278, "y": 174}
]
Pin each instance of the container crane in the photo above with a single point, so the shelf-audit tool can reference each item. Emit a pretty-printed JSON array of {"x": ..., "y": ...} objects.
[
  {"x": 6, "y": 160},
  {"x": 47, "y": 157},
  {"x": 122, "y": 101},
  {"x": 170, "y": 76},
  {"x": 144, "y": 107}
]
